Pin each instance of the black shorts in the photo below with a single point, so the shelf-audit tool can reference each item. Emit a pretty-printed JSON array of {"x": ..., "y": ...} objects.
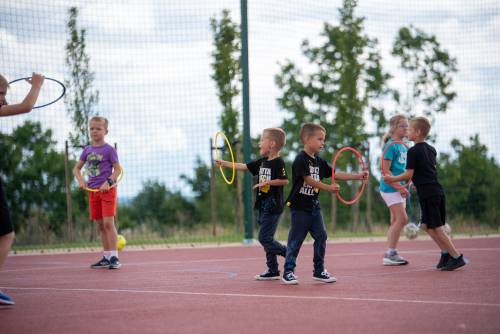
[
  {"x": 433, "y": 211},
  {"x": 5, "y": 222}
]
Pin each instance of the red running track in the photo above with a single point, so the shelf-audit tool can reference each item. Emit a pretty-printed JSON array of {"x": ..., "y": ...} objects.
[{"x": 212, "y": 290}]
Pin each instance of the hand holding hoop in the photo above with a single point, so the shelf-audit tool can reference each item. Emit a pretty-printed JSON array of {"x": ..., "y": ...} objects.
[
  {"x": 407, "y": 184},
  {"x": 220, "y": 133},
  {"x": 95, "y": 190},
  {"x": 362, "y": 162},
  {"x": 55, "y": 99}
]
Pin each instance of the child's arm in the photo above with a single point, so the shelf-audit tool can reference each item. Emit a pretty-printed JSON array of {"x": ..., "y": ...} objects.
[
  {"x": 407, "y": 175},
  {"x": 77, "y": 173},
  {"x": 387, "y": 172},
  {"x": 275, "y": 182},
  {"x": 320, "y": 185},
  {"x": 229, "y": 164},
  {"x": 117, "y": 169},
  {"x": 29, "y": 101},
  {"x": 351, "y": 176}
]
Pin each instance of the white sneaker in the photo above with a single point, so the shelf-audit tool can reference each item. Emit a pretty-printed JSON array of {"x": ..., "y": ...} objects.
[{"x": 394, "y": 260}]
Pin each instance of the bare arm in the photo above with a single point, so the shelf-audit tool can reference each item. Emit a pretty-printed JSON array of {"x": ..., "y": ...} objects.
[
  {"x": 78, "y": 174},
  {"x": 229, "y": 164},
  {"x": 407, "y": 175},
  {"x": 275, "y": 182},
  {"x": 351, "y": 176},
  {"x": 117, "y": 169},
  {"x": 29, "y": 101},
  {"x": 320, "y": 185},
  {"x": 386, "y": 171}
]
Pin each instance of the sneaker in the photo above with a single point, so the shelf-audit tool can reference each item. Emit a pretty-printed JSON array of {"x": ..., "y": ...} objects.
[
  {"x": 324, "y": 276},
  {"x": 453, "y": 263},
  {"x": 268, "y": 276},
  {"x": 289, "y": 278},
  {"x": 114, "y": 263},
  {"x": 101, "y": 264},
  {"x": 5, "y": 299},
  {"x": 394, "y": 260},
  {"x": 443, "y": 260}
]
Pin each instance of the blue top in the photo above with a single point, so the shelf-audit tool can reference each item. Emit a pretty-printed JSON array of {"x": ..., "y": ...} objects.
[{"x": 397, "y": 154}]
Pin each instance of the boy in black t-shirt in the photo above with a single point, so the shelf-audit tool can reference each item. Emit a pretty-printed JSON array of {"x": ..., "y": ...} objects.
[
  {"x": 269, "y": 201},
  {"x": 421, "y": 168},
  {"x": 307, "y": 171}
]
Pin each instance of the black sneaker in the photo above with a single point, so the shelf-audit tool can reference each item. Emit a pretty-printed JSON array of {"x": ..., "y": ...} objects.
[
  {"x": 101, "y": 264},
  {"x": 323, "y": 276},
  {"x": 268, "y": 276},
  {"x": 453, "y": 263},
  {"x": 114, "y": 263},
  {"x": 443, "y": 260},
  {"x": 289, "y": 278}
]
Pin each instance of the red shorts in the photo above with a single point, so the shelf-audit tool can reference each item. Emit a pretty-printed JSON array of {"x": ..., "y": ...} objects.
[{"x": 102, "y": 204}]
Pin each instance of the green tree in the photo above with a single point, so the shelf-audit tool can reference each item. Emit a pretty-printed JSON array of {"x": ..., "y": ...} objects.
[
  {"x": 472, "y": 180},
  {"x": 346, "y": 79},
  {"x": 34, "y": 176},
  {"x": 80, "y": 99},
  {"x": 161, "y": 208},
  {"x": 429, "y": 69}
]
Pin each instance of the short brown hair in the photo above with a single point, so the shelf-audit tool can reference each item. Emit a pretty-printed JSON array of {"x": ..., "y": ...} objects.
[
  {"x": 422, "y": 124},
  {"x": 309, "y": 129},
  {"x": 3, "y": 82},
  {"x": 277, "y": 135},
  {"x": 100, "y": 119}
]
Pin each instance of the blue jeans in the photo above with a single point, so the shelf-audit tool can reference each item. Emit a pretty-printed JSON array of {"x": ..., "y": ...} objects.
[
  {"x": 268, "y": 222},
  {"x": 302, "y": 223}
]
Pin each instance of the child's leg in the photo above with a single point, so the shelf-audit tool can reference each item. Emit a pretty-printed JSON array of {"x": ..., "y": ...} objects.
[
  {"x": 102, "y": 233},
  {"x": 300, "y": 221},
  {"x": 318, "y": 232},
  {"x": 399, "y": 219},
  {"x": 5, "y": 243},
  {"x": 109, "y": 234},
  {"x": 443, "y": 240},
  {"x": 268, "y": 222}
]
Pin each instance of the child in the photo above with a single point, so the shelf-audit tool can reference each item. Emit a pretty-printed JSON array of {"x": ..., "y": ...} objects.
[
  {"x": 6, "y": 228},
  {"x": 307, "y": 171},
  {"x": 421, "y": 168},
  {"x": 269, "y": 201},
  {"x": 104, "y": 168},
  {"x": 395, "y": 199}
]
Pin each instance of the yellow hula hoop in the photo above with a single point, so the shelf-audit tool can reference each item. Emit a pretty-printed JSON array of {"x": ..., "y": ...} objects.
[
  {"x": 220, "y": 133},
  {"x": 120, "y": 177}
]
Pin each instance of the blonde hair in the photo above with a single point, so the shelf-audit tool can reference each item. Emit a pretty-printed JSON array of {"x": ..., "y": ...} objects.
[
  {"x": 393, "y": 124},
  {"x": 309, "y": 129},
  {"x": 277, "y": 135},
  {"x": 422, "y": 124},
  {"x": 3, "y": 82},
  {"x": 100, "y": 119}
]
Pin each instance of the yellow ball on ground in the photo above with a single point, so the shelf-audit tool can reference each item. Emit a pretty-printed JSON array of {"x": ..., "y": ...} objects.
[{"x": 121, "y": 242}]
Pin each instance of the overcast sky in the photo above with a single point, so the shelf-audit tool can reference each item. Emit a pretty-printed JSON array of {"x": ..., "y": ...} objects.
[{"x": 152, "y": 65}]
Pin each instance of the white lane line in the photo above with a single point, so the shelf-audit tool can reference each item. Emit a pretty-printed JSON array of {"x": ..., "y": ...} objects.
[
  {"x": 213, "y": 294},
  {"x": 183, "y": 262}
]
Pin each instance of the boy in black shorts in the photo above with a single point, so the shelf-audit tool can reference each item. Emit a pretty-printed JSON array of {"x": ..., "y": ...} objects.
[
  {"x": 307, "y": 171},
  {"x": 269, "y": 201},
  {"x": 6, "y": 228},
  {"x": 421, "y": 169}
]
